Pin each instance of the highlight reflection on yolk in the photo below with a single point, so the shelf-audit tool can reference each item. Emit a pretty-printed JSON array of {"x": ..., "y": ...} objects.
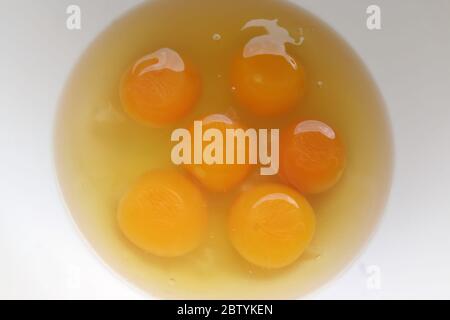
[
  {"x": 271, "y": 225},
  {"x": 220, "y": 177},
  {"x": 312, "y": 156},
  {"x": 164, "y": 214},
  {"x": 160, "y": 88},
  {"x": 266, "y": 80}
]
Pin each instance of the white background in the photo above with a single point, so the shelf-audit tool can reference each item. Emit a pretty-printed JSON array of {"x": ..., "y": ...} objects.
[{"x": 43, "y": 256}]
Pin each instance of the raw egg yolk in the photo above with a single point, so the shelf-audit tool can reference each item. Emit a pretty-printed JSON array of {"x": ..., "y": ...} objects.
[
  {"x": 220, "y": 177},
  {"x": 160, "y": 88},
  {"x": 312, "y": 156},
  {"x": 271, "y": 225},
  {"x": 164, "y": 214},
  {"x": 267, "y": 84}
]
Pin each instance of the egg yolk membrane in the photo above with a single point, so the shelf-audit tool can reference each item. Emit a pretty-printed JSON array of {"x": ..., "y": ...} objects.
[
  {"x": 218, "y": 177},
  {"x": 271, "y": 225},
  {"x": 265, "y": 79},
  {"x": 312, "y": 156},
  {"x": 163, "y": 213},
  {"x": 160, "y": 89}
]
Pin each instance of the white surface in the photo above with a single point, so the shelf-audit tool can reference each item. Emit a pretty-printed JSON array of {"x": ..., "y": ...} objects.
[{"x": 42, "y": 255}]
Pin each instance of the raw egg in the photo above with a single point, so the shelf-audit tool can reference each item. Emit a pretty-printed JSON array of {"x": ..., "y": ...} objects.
[
  {"x": 271, "y": 225},
  {"x": 163, "y": 213},
  {"x": 312, "y": 156},
  {"x": 161, "y": 88},
  {"x": 266, "y": 80},
  {"x": 219, "y": 177}
]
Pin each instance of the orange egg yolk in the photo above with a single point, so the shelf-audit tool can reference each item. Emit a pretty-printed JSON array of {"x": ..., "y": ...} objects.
[
  {"x": 160, "y": 89},
  {"x": 219, "y": 177},
  {"x": 312, "y": 156},
  {"x": 267, "y": 85},
  {"x": 271, "y": 225},
  {"x": 163, "y": 214}
]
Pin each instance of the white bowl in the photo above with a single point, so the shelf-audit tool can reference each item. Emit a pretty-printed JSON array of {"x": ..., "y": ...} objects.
[{"x": 409, "y": 256}]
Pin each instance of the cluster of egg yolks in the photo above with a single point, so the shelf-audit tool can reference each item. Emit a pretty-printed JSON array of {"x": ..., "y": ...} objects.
[
  {"x": 160, "y": 88},
  {"x": 164, "y": 213},
  {"x": 271, "y": 225},
  {"x": 219, "y": 177},
  {"x": 312, "y": 156},
  {"x": 267, "y": 84}
]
